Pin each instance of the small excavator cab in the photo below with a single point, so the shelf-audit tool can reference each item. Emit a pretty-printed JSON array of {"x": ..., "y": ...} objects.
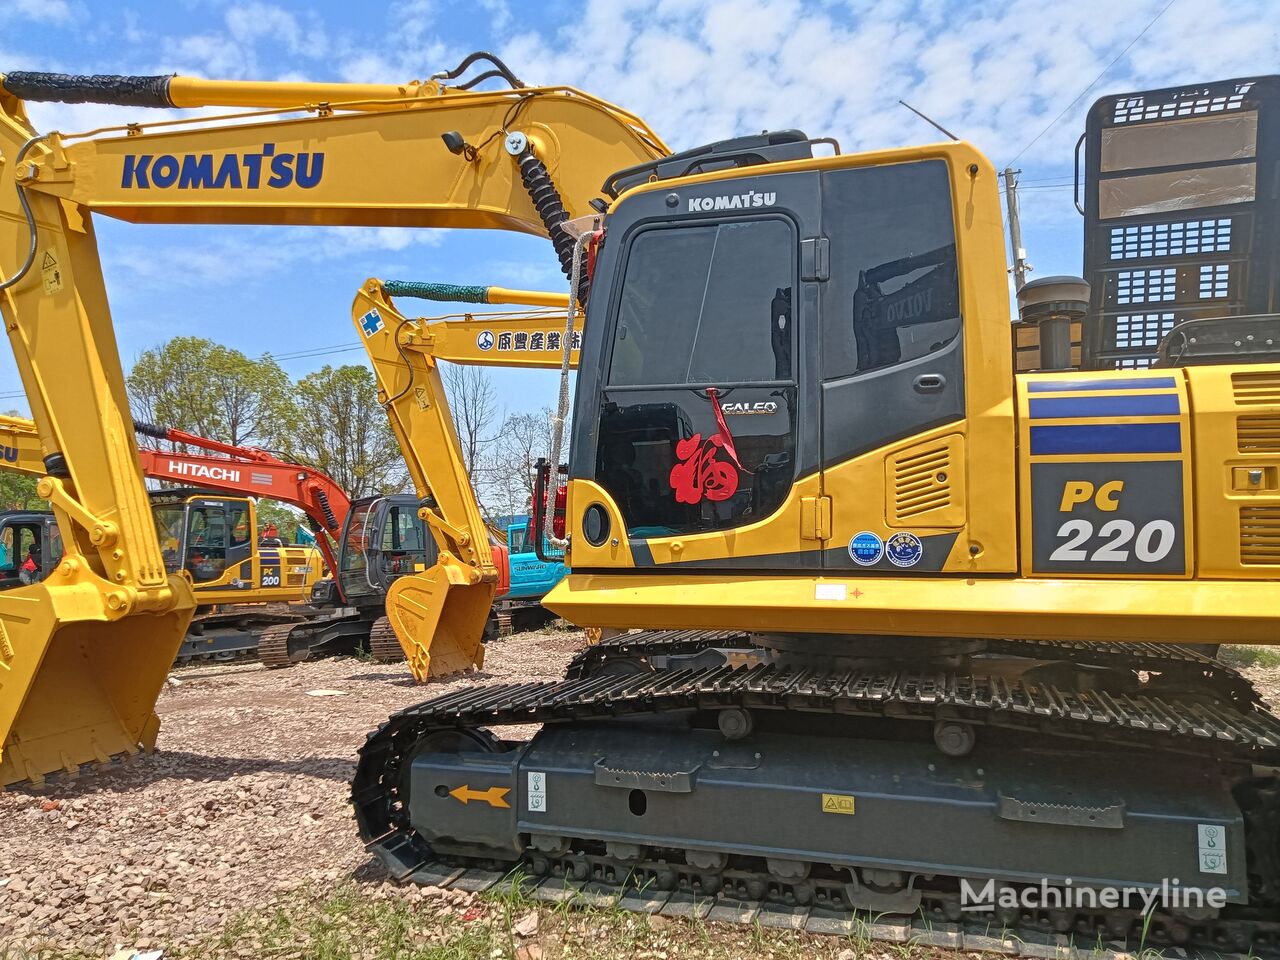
[
  {"x": 30, "y": 547},
  {"x": 383, "y": 540}
]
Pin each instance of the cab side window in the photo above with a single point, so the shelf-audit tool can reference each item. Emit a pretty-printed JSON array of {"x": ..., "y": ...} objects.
[{"x": 893, "y": 267}]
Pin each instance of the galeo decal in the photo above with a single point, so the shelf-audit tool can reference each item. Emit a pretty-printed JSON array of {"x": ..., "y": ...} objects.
[
  {"x": 700, "y": 474},
  {"x": 10, "y": 454},
  {"x": 178, "y": 468},
  {"x": 744, "y": 409},
  {"x": 732, "y": 201},
  {"x": 234, "y": 171}
]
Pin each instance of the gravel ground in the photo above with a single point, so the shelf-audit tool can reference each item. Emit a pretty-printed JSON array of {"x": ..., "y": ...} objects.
[
  {"x": 243, "y": 807},
  {"x": 245, "y": 802}
]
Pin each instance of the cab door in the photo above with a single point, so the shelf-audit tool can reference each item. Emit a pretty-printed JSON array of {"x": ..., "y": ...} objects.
[
  {"x": 916, "y": 449},
  {"x": 705, "y": 443}
]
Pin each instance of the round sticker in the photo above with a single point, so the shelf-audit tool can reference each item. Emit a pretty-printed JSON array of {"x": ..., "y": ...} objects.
[
  {"x": 904, "y": 549},
  {"x": 485, "y": 340},
  {"x": 866, "y": 548}
]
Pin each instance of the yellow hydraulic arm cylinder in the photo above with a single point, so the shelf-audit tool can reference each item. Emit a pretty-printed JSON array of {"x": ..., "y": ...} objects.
[
  {"x": 20, "y": 446},
  {"x": 100, "y": 634},
  {"x": 439, "y": 615}
]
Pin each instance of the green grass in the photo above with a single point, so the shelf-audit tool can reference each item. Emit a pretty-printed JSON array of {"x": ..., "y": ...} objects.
[
  {"x": 348, "y": 922},
  {"x": 1267, "y": 657}
]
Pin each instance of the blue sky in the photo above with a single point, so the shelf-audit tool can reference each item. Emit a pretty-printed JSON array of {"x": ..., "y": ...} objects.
[{"x": 996, "y": 74}]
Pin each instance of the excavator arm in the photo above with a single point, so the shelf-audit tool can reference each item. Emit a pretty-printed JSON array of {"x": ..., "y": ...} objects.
[
  {"x": 102, "y": 631},
  {"x": 439, "y": 615}
]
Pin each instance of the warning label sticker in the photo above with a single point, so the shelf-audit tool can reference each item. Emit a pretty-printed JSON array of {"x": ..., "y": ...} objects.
[
  {"x": 536, "y": 794},
  {"x": 50, "y": 273},
  {"x": 1213, "y": 848},
  {"x": 837, "y": 803}
]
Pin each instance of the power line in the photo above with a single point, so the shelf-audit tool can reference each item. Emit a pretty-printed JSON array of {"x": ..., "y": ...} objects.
[
  {"x": 316, "y": 352},
  {"x": 1105, "y": 71}
]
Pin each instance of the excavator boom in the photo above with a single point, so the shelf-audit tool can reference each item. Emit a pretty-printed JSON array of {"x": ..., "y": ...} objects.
[{"x": 102, "y": 631}]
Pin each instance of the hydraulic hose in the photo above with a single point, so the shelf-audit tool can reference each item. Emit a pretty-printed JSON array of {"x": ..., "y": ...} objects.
[
  {"x": 550, "y": 206},
  {"x": 120, "y": 91},
  {"x": 329, "y": 517}
]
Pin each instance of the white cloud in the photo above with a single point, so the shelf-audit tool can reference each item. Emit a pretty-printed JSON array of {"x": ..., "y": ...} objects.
[
  {"x": 41, "y": 11},
  {"x": 996, "y": 76},
  {"x": 240, "y": 255}
]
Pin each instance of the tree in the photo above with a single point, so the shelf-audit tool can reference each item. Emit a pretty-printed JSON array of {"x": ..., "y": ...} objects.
[
  {"x": 474, "y": 405},
  {"x": 18, "y": 492},
  {"x": 523, "y": 440},
  {"x": 338, "y": 426},
  {"x": 202, "y": 387}
]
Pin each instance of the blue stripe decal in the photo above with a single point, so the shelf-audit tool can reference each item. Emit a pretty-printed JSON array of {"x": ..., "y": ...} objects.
[
  {"x": 1107, "y": 438},
  {"x": 1132, "y": 405},
  {"x": 1134, "y": 383}
]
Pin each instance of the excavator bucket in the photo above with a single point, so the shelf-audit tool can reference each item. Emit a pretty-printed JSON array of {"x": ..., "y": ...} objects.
[
  {"x": 439, "y": 617},
  {"x": 73, "y": 690}
]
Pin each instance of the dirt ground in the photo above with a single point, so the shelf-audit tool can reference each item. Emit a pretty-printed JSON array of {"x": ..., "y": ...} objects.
[
  {"x": 243, "y": 806},
  {"x": 245, "y": 801}
]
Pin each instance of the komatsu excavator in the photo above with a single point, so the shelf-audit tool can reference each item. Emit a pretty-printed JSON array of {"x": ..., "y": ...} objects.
[
  {"x": 916, "y": 633},
  {"x": 101, "y": 632},
  {"x": 405, "y": 354},
  {"x": 950, "y": 605},
  {"x": 367, "y": 544}
]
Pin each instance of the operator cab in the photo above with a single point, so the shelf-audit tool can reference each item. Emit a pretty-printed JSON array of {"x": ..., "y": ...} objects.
[
  {"x": 531, "y": 575},
  {"x": 205, "y": 534},
  {"x": 30, "y": 547},
  {"x": 757, "y": 331},
  {"x": 382, "y": 540}
]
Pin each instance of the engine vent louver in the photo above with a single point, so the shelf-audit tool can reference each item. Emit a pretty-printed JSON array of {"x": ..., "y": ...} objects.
[
  {"x": 1258, "y": 433},
  {"x": 917, "y": 487},
  {"x": 1254, "y": 388},
  {"x": 1260, "y": 535}
]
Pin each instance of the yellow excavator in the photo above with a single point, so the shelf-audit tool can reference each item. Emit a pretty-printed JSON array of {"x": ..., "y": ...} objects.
[
  {"x": 439, "y": 616},
  {"x": 914, "y": 630},
  {"x": 83, "y": 654}
]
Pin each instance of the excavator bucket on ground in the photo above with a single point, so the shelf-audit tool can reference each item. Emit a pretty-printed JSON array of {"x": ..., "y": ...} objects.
[
  {"x": 77, "y": 691},
  {"x": 440, "y": 616}
]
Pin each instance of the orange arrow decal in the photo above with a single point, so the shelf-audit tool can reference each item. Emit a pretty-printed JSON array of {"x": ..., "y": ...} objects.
[{"x": 493, "y": 796}]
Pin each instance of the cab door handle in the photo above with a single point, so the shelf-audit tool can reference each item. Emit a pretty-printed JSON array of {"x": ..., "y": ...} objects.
[{"x": 929, "y": 383}]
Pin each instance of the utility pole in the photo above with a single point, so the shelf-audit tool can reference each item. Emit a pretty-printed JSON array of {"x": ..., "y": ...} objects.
[{"x": 1020, "y": 265}]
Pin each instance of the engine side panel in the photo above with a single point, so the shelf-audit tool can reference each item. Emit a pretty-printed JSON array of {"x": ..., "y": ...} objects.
[
  {"x": 1236, "y": 424},
  {"x": 1106, "y": 473}
]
